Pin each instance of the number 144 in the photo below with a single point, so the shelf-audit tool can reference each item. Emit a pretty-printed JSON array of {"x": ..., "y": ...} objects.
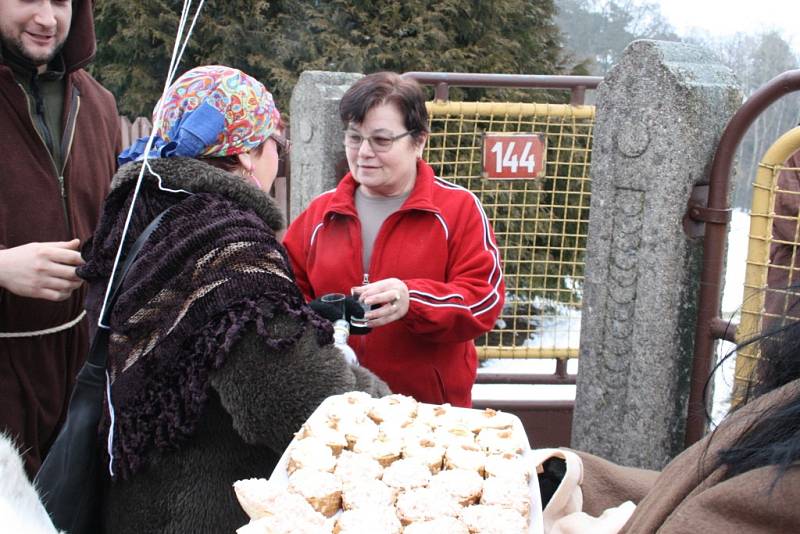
[{"x": 508, "y": 159}]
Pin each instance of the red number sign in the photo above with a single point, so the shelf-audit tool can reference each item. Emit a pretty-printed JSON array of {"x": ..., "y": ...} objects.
[{"x": 513, "y": 156}]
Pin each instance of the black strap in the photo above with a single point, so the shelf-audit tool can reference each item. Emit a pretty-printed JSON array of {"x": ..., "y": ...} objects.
[{"x": 98, "y": 353}]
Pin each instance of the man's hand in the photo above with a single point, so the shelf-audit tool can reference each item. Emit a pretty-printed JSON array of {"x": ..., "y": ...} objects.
[{"x": 41, "y": 270}]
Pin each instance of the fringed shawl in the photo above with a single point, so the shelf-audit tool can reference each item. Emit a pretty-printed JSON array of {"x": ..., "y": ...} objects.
[{"x": 211, "y": 270}]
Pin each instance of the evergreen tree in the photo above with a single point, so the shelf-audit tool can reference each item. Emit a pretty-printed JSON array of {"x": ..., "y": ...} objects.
[{"x": 275, "y": 41}]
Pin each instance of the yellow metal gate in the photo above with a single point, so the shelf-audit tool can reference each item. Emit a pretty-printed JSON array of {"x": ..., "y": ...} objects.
[
  {"x": 540, "y": 224},
  {"x": 768, "y": 292}
]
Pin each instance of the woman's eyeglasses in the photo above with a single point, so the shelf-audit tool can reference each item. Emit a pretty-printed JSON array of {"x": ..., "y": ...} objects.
[
  {"x": 378, "y": 142},
  {"x": 284, "y": 145}
]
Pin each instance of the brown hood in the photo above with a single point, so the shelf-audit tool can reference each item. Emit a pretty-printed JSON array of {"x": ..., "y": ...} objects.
[{"x": 80, "y": 47}]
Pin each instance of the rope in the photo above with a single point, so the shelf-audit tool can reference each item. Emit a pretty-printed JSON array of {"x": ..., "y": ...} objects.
[
  {"x": 46, "y": 331},
  {"x": 158, "y": 117}
]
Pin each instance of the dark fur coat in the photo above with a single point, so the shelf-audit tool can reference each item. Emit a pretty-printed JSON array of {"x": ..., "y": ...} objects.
[{"x": 270, "y": 362}]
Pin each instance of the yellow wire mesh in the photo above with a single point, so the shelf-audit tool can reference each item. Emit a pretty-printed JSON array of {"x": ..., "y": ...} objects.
[
  {"x": 540, "y": 224},
  {"x": 773, "y": 258}
]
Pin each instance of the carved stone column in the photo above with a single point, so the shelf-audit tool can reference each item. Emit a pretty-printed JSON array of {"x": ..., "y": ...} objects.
[
  {"x": 660, "y": 113},
  {"x": 317, "y": 144}
]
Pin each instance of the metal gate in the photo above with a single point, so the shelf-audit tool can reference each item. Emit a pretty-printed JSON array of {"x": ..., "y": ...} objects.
[
  {"x": 540, "y": 224},
  {"x": 773, "y": 256}
]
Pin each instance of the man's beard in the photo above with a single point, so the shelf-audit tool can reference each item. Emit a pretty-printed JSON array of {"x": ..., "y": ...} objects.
[{"x": 16, "y": 47}]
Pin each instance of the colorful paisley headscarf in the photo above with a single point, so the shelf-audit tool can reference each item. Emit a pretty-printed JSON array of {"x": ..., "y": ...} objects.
[{"x": 210, "y": 111}]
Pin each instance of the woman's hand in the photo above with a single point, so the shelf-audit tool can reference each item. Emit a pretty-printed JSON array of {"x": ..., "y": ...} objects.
[{"x": 391, "y": 297}]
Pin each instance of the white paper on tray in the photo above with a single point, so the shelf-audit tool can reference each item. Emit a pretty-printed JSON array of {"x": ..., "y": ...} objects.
[{"x": 280, "y": 476}]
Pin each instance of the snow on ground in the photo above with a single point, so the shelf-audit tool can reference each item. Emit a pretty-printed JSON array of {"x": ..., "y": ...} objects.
[{"x": 567, "y": 328}]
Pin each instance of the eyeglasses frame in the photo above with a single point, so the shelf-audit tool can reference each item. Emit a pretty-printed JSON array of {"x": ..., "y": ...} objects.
[
  {"x": 284, "y": 145},
  {"x": 368, "y": 139}
]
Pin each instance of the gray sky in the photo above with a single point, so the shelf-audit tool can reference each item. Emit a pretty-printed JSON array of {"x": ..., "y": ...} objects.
[{"x": 728, "y": 17}]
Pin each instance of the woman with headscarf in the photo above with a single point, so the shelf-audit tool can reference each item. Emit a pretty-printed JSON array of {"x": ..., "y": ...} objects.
[{"x": 215, "y": 360}]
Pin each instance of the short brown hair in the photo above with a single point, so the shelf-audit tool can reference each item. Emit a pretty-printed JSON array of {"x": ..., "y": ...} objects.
[
  {"x": 386, "y": 88},
  {"x": 231, "y": 163}
]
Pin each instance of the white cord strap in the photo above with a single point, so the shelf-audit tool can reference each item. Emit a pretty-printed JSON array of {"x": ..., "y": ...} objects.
[
  {"x": 46, "y": 331},
  {"x": 177, "y": 52}
]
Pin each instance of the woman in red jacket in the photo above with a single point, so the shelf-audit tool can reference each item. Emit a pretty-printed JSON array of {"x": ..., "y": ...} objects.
[{"x": 418, "y": 250}]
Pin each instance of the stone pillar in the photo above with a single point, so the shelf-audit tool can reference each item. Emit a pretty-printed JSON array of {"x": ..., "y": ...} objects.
[
  {"x": 317, "y": 149},
  {"x": 660, "y": 113}
]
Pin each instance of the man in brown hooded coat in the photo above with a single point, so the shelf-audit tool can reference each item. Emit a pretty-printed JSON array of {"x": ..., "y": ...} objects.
[{"x": 59, "y": 135}]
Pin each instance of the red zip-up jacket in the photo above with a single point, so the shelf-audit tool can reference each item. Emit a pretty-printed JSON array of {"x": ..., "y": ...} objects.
[{"x": 441, "y": 245}]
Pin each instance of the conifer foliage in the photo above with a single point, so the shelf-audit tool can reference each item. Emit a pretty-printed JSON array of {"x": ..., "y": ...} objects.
[{"x": 275, "y": 41}]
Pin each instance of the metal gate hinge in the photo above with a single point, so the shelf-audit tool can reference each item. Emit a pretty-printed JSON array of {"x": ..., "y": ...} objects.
[
  {"x": 712, "y": 215},
  {"x": 698, "y": 213}
]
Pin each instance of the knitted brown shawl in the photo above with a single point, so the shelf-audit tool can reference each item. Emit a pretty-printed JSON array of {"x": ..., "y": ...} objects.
[{"x": 212, "y": 270}]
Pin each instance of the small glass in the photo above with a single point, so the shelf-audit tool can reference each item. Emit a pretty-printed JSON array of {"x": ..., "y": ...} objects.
[
  {"x": 337, "y": 300},
  {"x": 359, "y": 322}
]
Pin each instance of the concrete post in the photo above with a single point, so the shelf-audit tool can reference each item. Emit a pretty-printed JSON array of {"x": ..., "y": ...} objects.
[
  {"x": 317, "y": 148},
  {"x": 660, "y": 113}
]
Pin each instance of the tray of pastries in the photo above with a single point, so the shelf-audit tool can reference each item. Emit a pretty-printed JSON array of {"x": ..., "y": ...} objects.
[{"x": 394, "y": 465}]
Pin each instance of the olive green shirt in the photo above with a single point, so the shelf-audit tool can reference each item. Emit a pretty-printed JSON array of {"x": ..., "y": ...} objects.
[{"x": 45, "y": 94}]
